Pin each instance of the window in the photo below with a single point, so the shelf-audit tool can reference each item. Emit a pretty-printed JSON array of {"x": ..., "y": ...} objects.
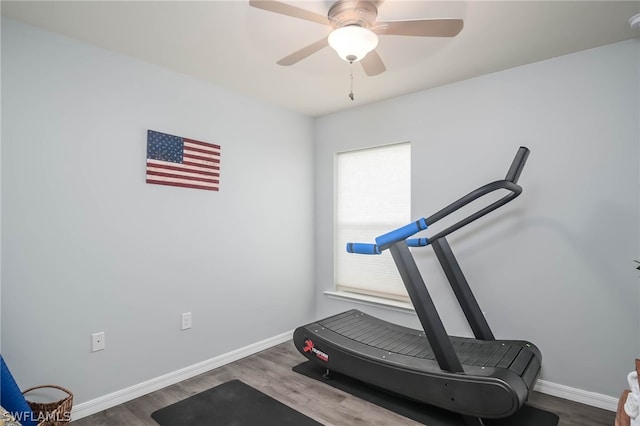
[{"x": 373, "y": 196}]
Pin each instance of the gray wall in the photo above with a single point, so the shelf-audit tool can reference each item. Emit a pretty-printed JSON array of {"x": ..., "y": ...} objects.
[
  {"x": 555, "y": 266},
  {"x": 88, "y": 246}
]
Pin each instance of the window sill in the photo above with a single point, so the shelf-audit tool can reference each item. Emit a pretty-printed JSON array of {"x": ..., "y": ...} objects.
[{"x": 377, "y": 302}]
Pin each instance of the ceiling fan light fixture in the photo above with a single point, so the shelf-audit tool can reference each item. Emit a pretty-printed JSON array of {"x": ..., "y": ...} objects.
[{"x": 353, "y": 42}]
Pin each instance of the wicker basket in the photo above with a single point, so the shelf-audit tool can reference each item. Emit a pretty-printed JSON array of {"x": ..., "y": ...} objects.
[{"x": 56, "y": 413}]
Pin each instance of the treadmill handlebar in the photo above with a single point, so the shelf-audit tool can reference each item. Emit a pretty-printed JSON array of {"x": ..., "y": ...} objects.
[
  {"x": 514, "y": 191},
  {"x": 362, "y": 248},
  {"x": 417, "y": 242},
  {"x": 385, "y": 241},
  {"x": 517, "y": 165},
  {"x": 509, "y": 183}
]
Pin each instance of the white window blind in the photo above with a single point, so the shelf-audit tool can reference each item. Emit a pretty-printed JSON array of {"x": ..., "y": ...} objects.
[{"x": 373, "y": 193}]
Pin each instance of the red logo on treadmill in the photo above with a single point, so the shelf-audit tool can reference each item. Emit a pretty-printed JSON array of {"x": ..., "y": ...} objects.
[{"x": 310, "y": 347}]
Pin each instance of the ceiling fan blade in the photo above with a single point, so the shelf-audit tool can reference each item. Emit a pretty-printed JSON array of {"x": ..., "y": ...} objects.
[
  {"x": 421, "y": 27},
  {"x": 372, "y": 64},
  {"x": 286, "y": 9},
  {"x": 306, "y": 51}
]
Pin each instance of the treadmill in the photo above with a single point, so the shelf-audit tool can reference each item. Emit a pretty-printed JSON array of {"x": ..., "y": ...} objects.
[{"x": 477, "y": 377}]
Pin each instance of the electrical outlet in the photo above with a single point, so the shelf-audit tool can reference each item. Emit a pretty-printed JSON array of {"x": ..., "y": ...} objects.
[
  {"x": 97, "y": 342},
  {"x": 186, "y": 320}
]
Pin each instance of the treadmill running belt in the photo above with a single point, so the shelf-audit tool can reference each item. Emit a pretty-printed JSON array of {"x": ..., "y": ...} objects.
[{"x": 380, "y": 334}]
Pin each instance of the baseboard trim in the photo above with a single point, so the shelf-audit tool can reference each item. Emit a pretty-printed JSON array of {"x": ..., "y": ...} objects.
[
  {"x": 577, "y": 395},
  {"x": 124, "y": 395}
]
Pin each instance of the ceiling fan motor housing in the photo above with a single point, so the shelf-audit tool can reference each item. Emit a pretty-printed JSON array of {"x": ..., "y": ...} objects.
[{"x": 350, "y": 12}]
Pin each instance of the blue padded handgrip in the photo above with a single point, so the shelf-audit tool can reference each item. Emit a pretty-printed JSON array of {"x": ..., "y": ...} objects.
[
  {"x": 361, "y": 248},
  {"x": 417, "y": 242},
  {"x": 386, "y": 240}
]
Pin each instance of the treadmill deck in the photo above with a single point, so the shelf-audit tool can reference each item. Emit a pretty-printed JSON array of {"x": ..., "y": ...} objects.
[{"x": 379, "y": 334}]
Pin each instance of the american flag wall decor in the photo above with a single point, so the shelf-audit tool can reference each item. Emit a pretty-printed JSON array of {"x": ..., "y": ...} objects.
[{"x": 176, "y": 161}]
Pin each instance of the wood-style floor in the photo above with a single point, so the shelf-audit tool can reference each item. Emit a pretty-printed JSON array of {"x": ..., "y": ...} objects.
[{"x": 270, "y": 372}]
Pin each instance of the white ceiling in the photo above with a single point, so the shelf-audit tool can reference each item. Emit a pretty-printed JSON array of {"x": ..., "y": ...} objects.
[{"x": 234, "y": 45}]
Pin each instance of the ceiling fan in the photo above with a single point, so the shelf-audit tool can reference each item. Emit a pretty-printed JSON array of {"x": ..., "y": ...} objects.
[{"x": 355, "y": 30}]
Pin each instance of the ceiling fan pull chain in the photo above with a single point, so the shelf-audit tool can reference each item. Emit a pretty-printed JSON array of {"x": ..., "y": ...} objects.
[{"x": 351, "y": 92}]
